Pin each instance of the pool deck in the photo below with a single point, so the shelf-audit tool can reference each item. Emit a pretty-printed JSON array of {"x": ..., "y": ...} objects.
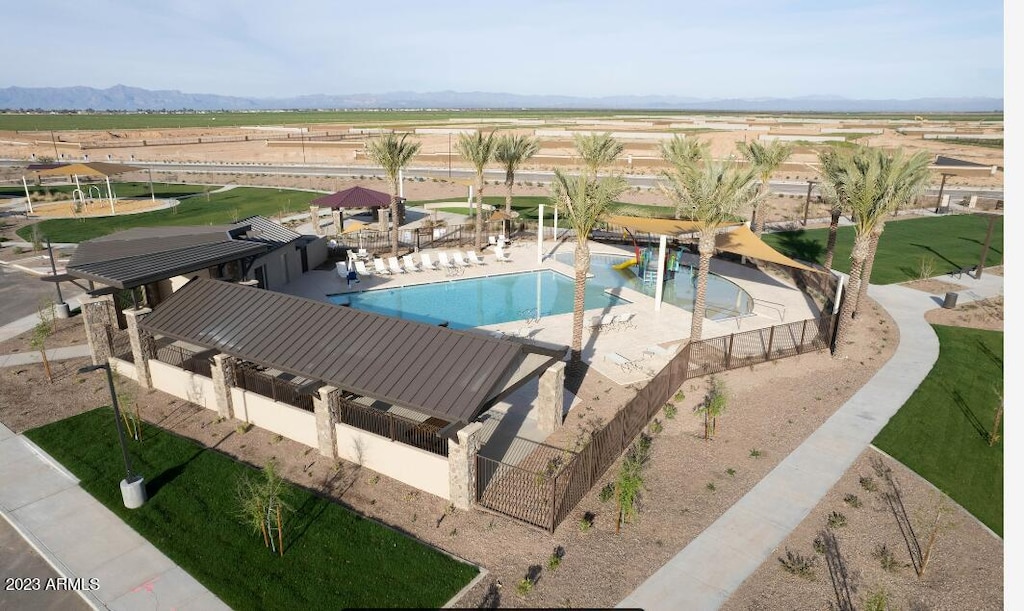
[{"x": 669, "y": 328}]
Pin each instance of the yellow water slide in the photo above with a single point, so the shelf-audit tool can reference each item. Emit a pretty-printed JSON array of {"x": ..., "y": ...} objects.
[{"x": 625, "y": 264}]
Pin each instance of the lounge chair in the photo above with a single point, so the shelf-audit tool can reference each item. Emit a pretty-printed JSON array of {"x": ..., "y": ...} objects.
[
  {"x": 442, "y": 258},
  {"x": 394, "y": 266},
  {"x": 492, "y": 241},
  {"x": 624, "y": 321},
  {"x": 361, "y": 269},
  {"x": 473, "y": 258},
  {"x": 410, "y": 265},
  {"x": 625, "y": 364},
  {"x": 499, "y": 254},
  {"x": 427, "y": 263},
  {"x": 379, "y": 267},
  {"x": 342, "y": 269},
  {"x": 459, "y": 260},
  {"x": 362, "y": 254}
]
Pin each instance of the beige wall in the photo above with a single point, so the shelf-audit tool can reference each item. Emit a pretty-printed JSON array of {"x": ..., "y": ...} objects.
[
  {"x": 283, "y": 265},
  {"x": 285, "y": 420},
  {"x": 183, "y": 384},
  {"x": 124, "y": 368},
  {"x": 418, "y": 468}
]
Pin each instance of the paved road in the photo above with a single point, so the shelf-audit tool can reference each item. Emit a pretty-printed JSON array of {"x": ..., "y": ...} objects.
[
  {"x": 20, "y": 294},
  {"x": 783, "y": 187},
  {"x": 20, "y": 562}
]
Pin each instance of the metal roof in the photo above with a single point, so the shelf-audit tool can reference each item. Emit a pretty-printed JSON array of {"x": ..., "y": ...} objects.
[
  {"x": 354, "y": 197},
  {"x": 453, "y": 375},
  {"x": 135, "y": 270},
  {"x": 262, "y": 229},
  {"x": 941, "y": 160}
]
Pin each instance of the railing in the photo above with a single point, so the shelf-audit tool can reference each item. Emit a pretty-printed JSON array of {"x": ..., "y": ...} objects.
[
  {"x": 121, "y": 345},
  {"x": 185, "y": 359},
  {"x": 248, "y": 378},
  {"x": 422, "y": 435},
  {"x": 727, "y": 352},
  {"x": 526, "y": 487}
]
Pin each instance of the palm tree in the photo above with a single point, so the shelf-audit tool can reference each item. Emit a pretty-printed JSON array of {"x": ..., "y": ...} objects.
[
  {"x": 874, "y": 183},
  {"x": 829, "y": 166},
  {"x": 597, "y": 150},
  {"x": 478, "y": 150},
  {"x": 709, "y": 193},
  {"x": 681, "y": 152},
  {"x": 393, "y": 153},
  {"x": 583, "y": 200},
  {"x": 765, "y": 159},
  {"x": 510, "y": 151}
]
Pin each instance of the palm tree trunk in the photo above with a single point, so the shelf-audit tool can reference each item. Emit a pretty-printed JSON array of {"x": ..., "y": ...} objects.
[
  {"x": 865, "y": 274},
  {"x": 394, "y": 217},
  {"x": 758, "y": 224},
  {"x": 857, "y": 258},
  {"x": 509, "y": 181},
  {"x": 833, "y": 233},
  {"x": 479, "y": 209},
  {"x": 582, "y": 266},
  {"x": 706, "y": 247}
]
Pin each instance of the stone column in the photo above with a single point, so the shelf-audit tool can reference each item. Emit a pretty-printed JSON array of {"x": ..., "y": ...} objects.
[
  {"x": 223, "y": 373},
  {"x": 550, "y": 397},
  {"x": 314, "y": 215},
  {"x": 382, "y": 219},
  {"x": 973, "y": 202},
  {"x": 143, "y": 346},
  {"x": 325, "y": 409},
  {"x": 336, "y": 215},
  {"x": 462, "y": 466},
  {"x": 97, "y": 317}
]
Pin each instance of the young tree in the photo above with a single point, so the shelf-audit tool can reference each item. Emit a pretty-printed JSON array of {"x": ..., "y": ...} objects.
[
  {"x": 393, "y": 153},
  {"x": 510, "y": 150},
  {"x": 42, "y": 332},
  {"x": 709, "y": 193},
  {"x": 712, "y": 406},
  {"x": 597, "y": 150},
  {"x": 765, "y": 160},
  {"x": 629, "y": 483},
  {"x": 261, "y": 503},
  {"x": 583, "y": 201},
  {"x": 478, "y": 149}
]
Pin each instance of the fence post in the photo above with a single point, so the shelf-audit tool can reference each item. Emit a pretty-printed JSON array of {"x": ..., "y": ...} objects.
[
  {"x": 728, "y": 354},
  {"x": 771, "y": 339},
  {"x": 803, "y": 334},
  {"x": 391, "y": 427},
  {"x": 551, "y": 529}
]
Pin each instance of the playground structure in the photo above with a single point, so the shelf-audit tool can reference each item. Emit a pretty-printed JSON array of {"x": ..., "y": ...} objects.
[
  {"x": 79, "y": 199},
  {"x": 645, "y": 262}
]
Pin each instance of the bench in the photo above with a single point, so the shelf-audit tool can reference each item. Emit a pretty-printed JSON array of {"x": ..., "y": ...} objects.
[{"x": 959, "y": 272}]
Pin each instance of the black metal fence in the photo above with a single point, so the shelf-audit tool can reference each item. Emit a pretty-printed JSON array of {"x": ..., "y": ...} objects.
[
  {"x": 248, "y": 377},
  {"x": 422, "y": 435},
  {"x": 121, "y": 345},
  {"x": 527, "y": 490},
  {"x": 186, "y": 359}
]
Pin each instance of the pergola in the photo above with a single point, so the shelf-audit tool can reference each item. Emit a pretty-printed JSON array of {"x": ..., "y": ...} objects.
[
  {"x": 74, "y": 170},
  {"x": 351, "y": 198}
]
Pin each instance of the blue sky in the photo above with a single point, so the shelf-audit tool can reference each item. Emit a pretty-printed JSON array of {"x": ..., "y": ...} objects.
[{"x": 724, "y": 48}]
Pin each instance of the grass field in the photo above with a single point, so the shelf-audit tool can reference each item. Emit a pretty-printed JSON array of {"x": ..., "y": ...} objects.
[
  {"x": 210, "y": 209},
  {"x": 90, "y": 121},
  {"x": 941, "y": 431},
  {"x": 333, "y": 558},
  {"x": 948, "y": 242},
  {"x": 121, "y": 189}
]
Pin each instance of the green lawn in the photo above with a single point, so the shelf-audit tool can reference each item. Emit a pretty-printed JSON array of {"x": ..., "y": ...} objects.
[
  {"x": 121, "y": 189},
  {"x": 941, "y": 431},
  {"x": 949, "y": 242},
  {"x": 215, "y": 209},
  {"x": 333, "y": 558}
]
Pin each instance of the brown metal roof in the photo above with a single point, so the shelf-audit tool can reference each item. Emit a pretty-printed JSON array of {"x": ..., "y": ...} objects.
[
  {"x": 131, "y": 271},
  {"x": 354, "y": 197},
  {"x": 453, "y": 375}
]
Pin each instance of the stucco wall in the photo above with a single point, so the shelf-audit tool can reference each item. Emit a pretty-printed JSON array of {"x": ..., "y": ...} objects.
[
  {"x": 285, "y": 420},
  {"x": 418, "y": 468},
  {"x": 183, "y": 384},
  {"x": 124, "y": 368}
]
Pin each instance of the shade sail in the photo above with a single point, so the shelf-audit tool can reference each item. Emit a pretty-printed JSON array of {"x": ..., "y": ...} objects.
[
  {"x": 354, "y": 197},
  {"x": 667, "y": 227},
  {"x": 498, "y": 215},
  {"x": 354, "y": 226},
  {"x": 98, "y": 168},
  {"x": 742, "y": 241}
]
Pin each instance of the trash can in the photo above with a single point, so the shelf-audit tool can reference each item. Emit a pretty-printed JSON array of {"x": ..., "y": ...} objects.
[{"x": 950, "y": 302}]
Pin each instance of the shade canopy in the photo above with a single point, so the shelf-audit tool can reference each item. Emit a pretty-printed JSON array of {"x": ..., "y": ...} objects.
[
  {"x": 354, "y": 197},
  {"x": 98, "y": 168},
  {"x": 666, "y": 227},
  {"x": 499, "y": 215},
  {"x": 354, "y": 227},
  {"x": 742, "y": 241}
]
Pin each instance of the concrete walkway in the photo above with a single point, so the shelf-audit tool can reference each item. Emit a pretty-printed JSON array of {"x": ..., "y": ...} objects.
[
  {"x": 708, "y": 570},
  {"x": 84, "y": 540},
  {"x": 53, "y": 354}
]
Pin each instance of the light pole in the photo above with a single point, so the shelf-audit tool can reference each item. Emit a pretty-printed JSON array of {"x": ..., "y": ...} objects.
[
  {"x": 942, "y": 186},
  {"x": 152, "y": 193},
  {"x": 807, "y": 204},
  {"x": 133, "y": 486}
]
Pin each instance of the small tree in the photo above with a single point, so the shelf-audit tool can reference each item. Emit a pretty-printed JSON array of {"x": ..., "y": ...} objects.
[
  {"x": 712, "y": 406},
  {"x": 993, "y": 434},
  {"x": 40, "y": 333},
  {"x": 129, "y": 407},
  {"x": 261, "y": 504},
  {"x": 629, "y": 483}
]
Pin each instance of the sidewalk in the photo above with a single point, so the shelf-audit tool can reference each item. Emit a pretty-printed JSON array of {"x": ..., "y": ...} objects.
[
  {"x": 84, "y": 540},
  {"x": 708, "y": 570},
  {"x": 53, "y": 354}
]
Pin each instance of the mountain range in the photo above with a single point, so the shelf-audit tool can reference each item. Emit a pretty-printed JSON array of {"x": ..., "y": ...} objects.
[{"x": 130, "y": 99}]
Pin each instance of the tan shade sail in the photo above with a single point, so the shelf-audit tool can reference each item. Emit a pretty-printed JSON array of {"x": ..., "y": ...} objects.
[
  {"x": 667, "y": 227},
  {"x": 742, "y": 241},
  {"x": 499, "y": 215},
  {"x": 98, "y": 168},
  {"x": 353, "y": 227}
]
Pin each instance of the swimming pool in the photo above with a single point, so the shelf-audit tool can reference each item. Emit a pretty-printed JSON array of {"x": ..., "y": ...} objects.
[
  {"x": 724, "y": 298},
  {"x": 477, "y": 302}
]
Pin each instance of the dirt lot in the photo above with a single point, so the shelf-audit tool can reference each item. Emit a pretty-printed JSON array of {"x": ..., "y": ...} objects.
[{"x": 772, "y": 408}]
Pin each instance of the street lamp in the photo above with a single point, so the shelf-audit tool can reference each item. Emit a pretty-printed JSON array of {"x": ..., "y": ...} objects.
[{"x": 133, "y": 486}]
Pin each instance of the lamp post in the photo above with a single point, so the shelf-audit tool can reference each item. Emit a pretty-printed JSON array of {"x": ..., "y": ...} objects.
[
  {"x": 942, "y": 187},
  {"x": 133, "y": 486},
  {"x": 807, "y": 204}
]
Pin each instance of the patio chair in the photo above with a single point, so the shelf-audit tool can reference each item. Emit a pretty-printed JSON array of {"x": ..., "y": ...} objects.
[
  {"x": 342, "y": 269},
  {"x": 624, "y": 321},
  {"x": 427, "y": 263},
  {"x": 362, "y": 254},
  {"x": 457, "y": 255},
  {"x": 442, "y": 259},
  {"x": 492, "y": 241},
  {"x": 410, "y": 265},
  {"x": 394, "y": 266},
  {"x": 361, "y": 269},
  {"x": 379, "y": 267},
  {"x": 499, "y": 254},
  {"x": 473, "y": 258},
  {"x": 625, "y": 364}
]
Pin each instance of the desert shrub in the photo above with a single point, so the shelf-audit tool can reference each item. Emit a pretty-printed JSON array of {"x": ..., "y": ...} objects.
[
  {"x": 836, "y": 520},
  {"x": 798, "y": 564},
  {"x": 852, "y": 500}
]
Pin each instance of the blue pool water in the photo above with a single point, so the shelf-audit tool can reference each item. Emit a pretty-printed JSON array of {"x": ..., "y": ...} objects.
[
  {"x": 724, "y": 299},
  {"x": 480, "y": 301}
]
